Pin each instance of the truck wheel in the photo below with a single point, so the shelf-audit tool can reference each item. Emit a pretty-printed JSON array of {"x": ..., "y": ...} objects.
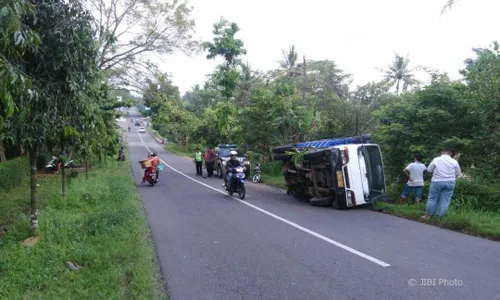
[{"x": 340, "y": 206}]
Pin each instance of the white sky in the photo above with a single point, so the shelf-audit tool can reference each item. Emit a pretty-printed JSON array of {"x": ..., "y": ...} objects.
[{"x": 359, "y": 35}]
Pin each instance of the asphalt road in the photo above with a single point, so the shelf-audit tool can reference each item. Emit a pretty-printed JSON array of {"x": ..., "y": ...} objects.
[{"x": 273, "y": 246}]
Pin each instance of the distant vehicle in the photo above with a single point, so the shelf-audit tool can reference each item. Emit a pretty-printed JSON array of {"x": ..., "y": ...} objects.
[
  {"x": 223, "y": 157},
  {"x": 343, "y": 172},
  {"x": 137, "y": 123},
  {"x": 142, "y": 130}
]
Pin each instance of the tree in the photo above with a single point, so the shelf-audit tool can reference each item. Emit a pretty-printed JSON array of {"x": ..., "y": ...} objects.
[
  {"x": 398, "y": 71},
  {"x": 227, "y": 46},
  {"x": 128, "y": 29},
  {"x": 482, "y": 75},
  {"x": 289, "y": 62},
  {"x": 423, "y": 121},
  {"x": 61, "y": 69},
  {"x": 15, "y": 39}
]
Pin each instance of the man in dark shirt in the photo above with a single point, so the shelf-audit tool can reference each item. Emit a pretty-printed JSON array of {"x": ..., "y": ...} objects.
[{"x": 209, "y": 161}]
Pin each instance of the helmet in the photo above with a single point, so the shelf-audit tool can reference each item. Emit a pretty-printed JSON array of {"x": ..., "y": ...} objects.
[{"x": 233, "y": 154}]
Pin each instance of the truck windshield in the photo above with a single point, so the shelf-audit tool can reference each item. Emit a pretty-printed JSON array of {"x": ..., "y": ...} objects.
[{"x": 374, "y": 169}]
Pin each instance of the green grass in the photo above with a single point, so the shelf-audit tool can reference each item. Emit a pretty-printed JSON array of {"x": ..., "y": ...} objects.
[
  {"x": 99, "y": 225},
  {"x": 483, "y": 224},
  {"x": 273, "y": 180}
]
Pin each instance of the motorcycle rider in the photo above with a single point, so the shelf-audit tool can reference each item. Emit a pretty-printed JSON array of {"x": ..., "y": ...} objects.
[
  {"x": 231, "y": 163},
  {"x": 155, "y": 161}
]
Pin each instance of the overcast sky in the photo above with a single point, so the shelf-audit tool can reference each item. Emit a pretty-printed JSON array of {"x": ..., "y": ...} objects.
[{"x": 359, "y": 35}]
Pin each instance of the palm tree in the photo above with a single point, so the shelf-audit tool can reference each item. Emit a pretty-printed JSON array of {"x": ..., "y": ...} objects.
[
  {"x": 248, "y": 79},
  {"x": 289, "y": 62},
  {"x": 398, "y": 71}
]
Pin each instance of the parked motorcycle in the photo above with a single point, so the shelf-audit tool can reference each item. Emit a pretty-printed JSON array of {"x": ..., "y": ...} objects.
[
  {"x": 237, "y": 184},
  {"x": 53, "y": 166},
  {"x": 256, "y": 173}
]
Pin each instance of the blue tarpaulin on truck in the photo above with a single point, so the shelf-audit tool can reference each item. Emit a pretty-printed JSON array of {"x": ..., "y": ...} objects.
[{"x": 334, "y": 142}]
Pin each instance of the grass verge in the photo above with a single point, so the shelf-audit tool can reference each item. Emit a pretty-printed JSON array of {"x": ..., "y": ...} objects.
[
  {"x": 100, "y": 225},
  {"x": 482, "y": 224},
  {"x": 275, "y": 181}
]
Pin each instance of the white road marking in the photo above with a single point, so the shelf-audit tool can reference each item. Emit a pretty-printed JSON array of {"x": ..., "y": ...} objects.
[{"x": 313, "y": 233}]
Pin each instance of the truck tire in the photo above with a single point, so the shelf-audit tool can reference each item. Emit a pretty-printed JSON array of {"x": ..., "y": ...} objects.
[
  {"x": 340, "y": 205},
  {"x": 282, "y": 156},
  {"x": 282, "y": 149}
]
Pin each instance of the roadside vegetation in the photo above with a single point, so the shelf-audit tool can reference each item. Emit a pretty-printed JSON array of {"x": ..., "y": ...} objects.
[
  {"x": 99, "y": 226},
  {"x": 65, "y": 75},
  {"x": 303, "y": 99}
]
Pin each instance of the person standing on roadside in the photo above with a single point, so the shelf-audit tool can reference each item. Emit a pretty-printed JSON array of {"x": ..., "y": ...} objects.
[
  {"x": 209, "y": 161},
  {"x": 415, "y": 173},
  {"x": 444, "y": 171},
  {"x": 198, "y": 159}
]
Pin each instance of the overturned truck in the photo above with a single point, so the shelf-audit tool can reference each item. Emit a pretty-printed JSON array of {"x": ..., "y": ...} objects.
[{"x": 343, "y": 172}]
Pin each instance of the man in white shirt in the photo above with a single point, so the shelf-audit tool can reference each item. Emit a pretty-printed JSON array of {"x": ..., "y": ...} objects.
[
  {"x": 444, "y": 171},
  {"x": 415, "y": 173}
]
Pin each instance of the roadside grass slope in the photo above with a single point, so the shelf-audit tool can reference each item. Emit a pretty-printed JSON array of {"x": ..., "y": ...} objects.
[{"x": 100, "y": 225}]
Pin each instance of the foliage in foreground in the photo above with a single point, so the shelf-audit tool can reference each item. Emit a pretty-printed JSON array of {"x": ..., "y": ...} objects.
[{"x": 100, "y": 225}]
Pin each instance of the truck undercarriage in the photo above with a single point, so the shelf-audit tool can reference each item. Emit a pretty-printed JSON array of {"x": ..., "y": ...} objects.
[{"x": 313, "y": 178}]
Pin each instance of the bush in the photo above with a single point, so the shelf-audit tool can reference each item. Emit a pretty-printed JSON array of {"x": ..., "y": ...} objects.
[
  {"x": 470, "y": 194},
  {"x": 477, "y": 195},
  {"x": 13, "y": 172},
  {"x": 272, "y": 168}
]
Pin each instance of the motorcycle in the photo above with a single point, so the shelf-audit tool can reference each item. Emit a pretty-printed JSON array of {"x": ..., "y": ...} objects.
[
  {"x": 237, "y": 183},
  {"x": 256, "y": 173},
  {"x": 152, "y": 178},
  {"x": 52, "y": 166}
]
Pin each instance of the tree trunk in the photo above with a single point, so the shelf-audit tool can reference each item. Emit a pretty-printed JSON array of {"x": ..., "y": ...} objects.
[
  {"x": 2, "y": 152},
  {"x": 63, "y": 180},
  {"x": 34, "y": 200},
  {"x": 87, "y": 169},
  {"x": 100, "y": 159},
  {"x": 63, "y": 171}
]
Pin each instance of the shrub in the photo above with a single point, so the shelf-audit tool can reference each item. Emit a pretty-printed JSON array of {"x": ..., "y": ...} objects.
[
  {"x": 272, "y": 168},
  {"x": 12, "y": 173},
  {"x": 470, "y": 194},
  {"x": 477, "y": 195}
]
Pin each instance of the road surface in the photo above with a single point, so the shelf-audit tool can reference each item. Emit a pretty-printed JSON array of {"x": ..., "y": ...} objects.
[{"x": 273, "y": 246}]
